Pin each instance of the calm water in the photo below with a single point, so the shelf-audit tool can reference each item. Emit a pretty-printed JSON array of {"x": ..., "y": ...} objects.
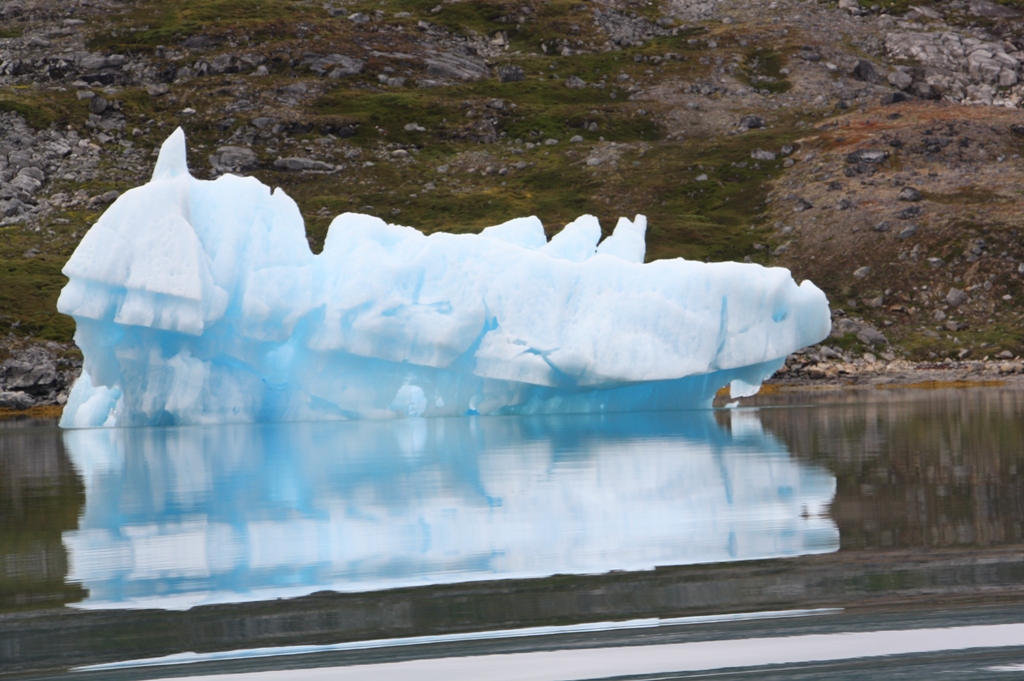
[{"x": 139, "y": 543}]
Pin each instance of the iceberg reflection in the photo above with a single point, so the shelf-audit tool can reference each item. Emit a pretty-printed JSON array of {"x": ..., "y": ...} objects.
[{"x": 185, "y": 516}]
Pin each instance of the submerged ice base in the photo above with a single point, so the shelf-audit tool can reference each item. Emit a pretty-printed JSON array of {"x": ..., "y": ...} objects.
[{"x": 201, "y": 302}]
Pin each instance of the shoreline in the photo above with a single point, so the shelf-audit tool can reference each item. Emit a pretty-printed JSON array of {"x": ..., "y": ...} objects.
[{"x": 799, "y": 375}]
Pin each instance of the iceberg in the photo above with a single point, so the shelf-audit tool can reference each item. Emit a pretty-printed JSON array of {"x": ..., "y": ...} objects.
[{"x": 201, "y": 302}]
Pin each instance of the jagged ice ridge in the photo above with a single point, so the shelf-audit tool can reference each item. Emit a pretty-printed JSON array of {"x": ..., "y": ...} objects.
[{"x": 200, "y": 301}]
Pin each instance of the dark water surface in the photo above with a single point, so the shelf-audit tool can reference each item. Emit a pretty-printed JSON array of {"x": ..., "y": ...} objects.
[{"x": 867, "y": 510}]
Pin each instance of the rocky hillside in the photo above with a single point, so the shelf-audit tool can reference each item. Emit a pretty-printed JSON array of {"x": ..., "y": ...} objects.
[{"x": 874, "y": 149}]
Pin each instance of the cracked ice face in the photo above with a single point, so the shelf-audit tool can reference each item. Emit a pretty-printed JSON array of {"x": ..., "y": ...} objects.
[{"x": 200, "y": 301}]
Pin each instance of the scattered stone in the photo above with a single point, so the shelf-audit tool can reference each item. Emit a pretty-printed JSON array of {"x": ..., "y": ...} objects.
[
  {"x": 103, "y": 199},
  {"x": 872, "y": 156},
  {"x": 510, "y": 73},
  {"x": 895, "y": 98},
  {"x": 862, "y": 272},
  {"x": 335, "y": 65},
  {"x": 298, "y": 163},
  {"x": 157, "y": 89},
  {"x": 909, "y": 194},
  {"x": 233, "y": 159},
  {"x": 751, "y": 122},
  {"x": 575, "y": 82},
  {"x": 97, "y": 105},
  {"x": 900, "y": 80},
  {"x": 871, "y": 336},
  {"x": 955, "y": 297},
  {"x": 16, "y": 400},
  {"x": 882, "y": 226},
  {"x": 762, "y": 155},
  {"x": 908, "y": 231},
  {"x": 865, "y": 71}
]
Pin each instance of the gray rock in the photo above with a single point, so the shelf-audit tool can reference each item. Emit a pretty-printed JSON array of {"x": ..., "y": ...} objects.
[
  {"x": 15, "y": 400},
  {"x": 457, "y": 67},
  {"x": 871, "y": 336},
  {"x": 509, "y": 73},
  {"x": 862, "y": 272},
  {"x": 157, "y": 89},
  {"x": 953, "y": 325},
  {"x": 104, "y": 198},
  {"x": 900, "y": 80},
  {"x": 298, "y": 163},
  {"x": 909, "y": 213},
  {"x": 335, "y": 65},
  {"x": 236, "y": 158},
  {"x": 865, "y": 71},
  {"x": 882, "y": 226},
  {"x": 33, "y": 172},
  {"x": 873, "y": 156},
  {"x": 762, "y": 155},
  {"x": 909, "y": 194},
  {"x": 92, "y": 62},
  {"x": 27, "y": 184},
  {"x": 751, "y": 122},
  {"x": 97, "y": 105},
  {"x": 845, "y": 325},
  {"x": 575, "y": 82},
  {"x": 28, "y": 377},
  {"x": 956, "y": 297},
  {"x": 985, "y": 8}
]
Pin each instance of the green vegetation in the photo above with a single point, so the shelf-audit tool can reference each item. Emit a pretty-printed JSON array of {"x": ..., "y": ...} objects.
[
  {"x": 762, "y": 70},
  {"x": 42, "y": 109},
  {"x": 28, "y": 297},
  {"x": 145, "y": 24}
]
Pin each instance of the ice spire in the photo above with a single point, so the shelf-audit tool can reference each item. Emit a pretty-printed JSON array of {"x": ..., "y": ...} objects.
[{"x": 173, "y": 159}]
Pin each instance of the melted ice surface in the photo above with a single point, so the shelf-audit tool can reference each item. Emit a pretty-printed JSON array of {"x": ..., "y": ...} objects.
[{"x": 200, "y": 302}]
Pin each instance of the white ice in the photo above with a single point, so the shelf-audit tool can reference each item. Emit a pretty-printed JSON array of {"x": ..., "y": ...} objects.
[{"x": 200, "y": 302}]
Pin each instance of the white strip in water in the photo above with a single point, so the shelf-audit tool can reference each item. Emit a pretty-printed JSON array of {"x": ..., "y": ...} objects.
[
  {"x": 603, "y": 663},
  {"x": 586, "y": 628}
]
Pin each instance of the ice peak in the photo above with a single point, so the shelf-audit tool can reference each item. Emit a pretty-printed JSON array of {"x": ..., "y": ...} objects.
[{"x": 173, "y": 159}]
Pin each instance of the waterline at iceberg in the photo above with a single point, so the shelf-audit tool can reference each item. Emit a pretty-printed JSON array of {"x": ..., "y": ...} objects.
[{"x": 200, "y": 302}]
